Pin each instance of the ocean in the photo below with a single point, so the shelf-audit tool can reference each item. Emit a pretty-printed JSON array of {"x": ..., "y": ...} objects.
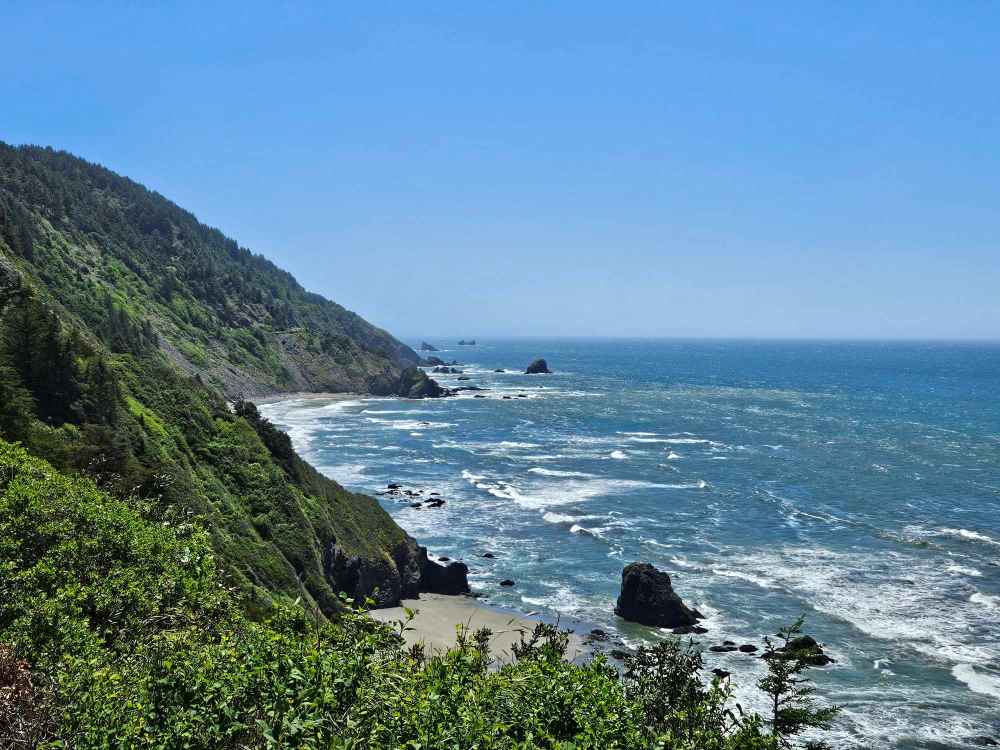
[{"x": 857, "y": 484}]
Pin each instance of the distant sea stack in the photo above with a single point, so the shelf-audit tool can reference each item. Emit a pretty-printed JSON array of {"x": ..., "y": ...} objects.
[
  {"x": 425, "y": 347},
  {"x": 648, "y": 598},
  {"x": 538, "y": 367},
  {"x": 463, "y": 342}
]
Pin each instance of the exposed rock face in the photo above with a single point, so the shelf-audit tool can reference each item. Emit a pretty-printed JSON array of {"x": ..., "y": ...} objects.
[
  {"x": 425, "y": 347},
  {"x": 463, "y": 342},
  {"x": 805, "y": 648},
  {"x": 432, "y": 361},
  {"x": 538, "y": 367},
  {"x": 409, "y": 574},
  {"x": 648, "y": 598}
]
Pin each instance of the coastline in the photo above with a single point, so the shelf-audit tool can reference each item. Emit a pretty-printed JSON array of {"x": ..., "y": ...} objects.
[{"x": 438, "y": 615}]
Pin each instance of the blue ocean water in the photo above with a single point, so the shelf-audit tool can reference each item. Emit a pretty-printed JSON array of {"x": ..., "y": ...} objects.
[{"x": 857, "y": 483}]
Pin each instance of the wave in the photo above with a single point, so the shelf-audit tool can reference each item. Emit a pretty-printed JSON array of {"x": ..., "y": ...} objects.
[
  {"x": 976, "y": 681},
  {"x": 962, "y": 570},
  {"x": 618, "y": 455},
  {"x": 555, "y": 473},
  {"x": 992, "y": 602},
  {"x": 972, "y": 536},
  {"x": 409, "y": 424}
]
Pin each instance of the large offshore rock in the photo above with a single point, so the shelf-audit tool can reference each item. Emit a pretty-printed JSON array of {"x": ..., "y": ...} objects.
[{"x": 647, "y": 597}]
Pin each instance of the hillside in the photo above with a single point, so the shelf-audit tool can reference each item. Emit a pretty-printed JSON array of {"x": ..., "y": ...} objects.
[
  {"x": 125, "y": 261},
  {"x": 124, "y": 327}
]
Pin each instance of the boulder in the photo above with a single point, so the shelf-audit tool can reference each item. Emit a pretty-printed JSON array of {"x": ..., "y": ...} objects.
[
  {"x": 433, "y": 362},
  {"x": 499, "y": 369},
  {"x": 748, "y": 648},
  {"x": 720, "y": 673},
  {"x": 538, "y": 367},
  {"x": 690, "y": 629},
  {"x": 722, "y": 649},
  {"x": 452, "y": 579},
  {"x": 506, "y": 582},
  {"x": 805, "y": 648},
  {"x": 463, "y": 342},
  {"x": 648, "y": 598},
  {"x": 425, "y": 347},
  {"x": 489, "y": 555}
]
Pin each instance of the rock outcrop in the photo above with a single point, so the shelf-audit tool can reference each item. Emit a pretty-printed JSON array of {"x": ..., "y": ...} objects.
[
  {"x": 463, "y": 342},
  {"x": 538, "y": 367},
  {"x": 647, "y": 597},
  {"x": 425, "y": 347},
  {"x": 805, "y": 648},
  {"x": 412, "y": 383}
]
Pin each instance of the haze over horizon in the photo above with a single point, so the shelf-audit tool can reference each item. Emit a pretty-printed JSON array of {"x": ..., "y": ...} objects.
[{"x": 781, "y": 171}]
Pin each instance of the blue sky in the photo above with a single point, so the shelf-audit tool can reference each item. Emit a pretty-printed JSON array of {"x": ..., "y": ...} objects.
[{"x": 782, "y": 169}]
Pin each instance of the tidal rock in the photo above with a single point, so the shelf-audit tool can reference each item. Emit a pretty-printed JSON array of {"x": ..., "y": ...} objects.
[
  {"x": 722, "y": 649},
  {"x": 443, "y": 559},
  {"x": 499, "y": 369},
  {"x": 598, "y": 635},
  {"x": 414, "y": 383},
  {"x": 506, "y": 582},
  {"x": 489, "y": 555},
  {"x": 805, "y": 648},
  {"x": 720, "y": 673},
  {"x": 465, "y": 377},
  {"x": 425, "y": 347},
  {"x": 619, "y": 654},
  {"x": 463, "y": 342},
  {"x": 451, "y": 579},
  {"x": 689, "y": 629},
  {"x": 394, "y": 486},
  {"x": 748, "y": 648},
  {"x": 648, "y": 598},
  {"x": 433, "y": 362},
  {"x": 538, "y": 367}
]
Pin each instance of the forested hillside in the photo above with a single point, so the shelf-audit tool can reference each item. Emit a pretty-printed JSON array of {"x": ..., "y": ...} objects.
[
  {"x": 142, "y": 272},
  {"x": 124, "y": 324}
]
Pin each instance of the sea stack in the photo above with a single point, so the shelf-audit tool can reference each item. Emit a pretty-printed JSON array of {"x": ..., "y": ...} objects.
[
  {"x": 648, "y": 598},
  {"x": 425, "y": 347},
  {"x": 538, "y": 367}
]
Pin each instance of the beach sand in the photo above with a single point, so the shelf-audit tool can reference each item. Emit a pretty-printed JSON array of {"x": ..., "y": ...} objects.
[{"x": 437, "y": 615}]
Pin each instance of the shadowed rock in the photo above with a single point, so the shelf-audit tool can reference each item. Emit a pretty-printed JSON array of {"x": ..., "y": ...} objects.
[
  {"x": 538, "y": 367},
  {"x": 648, "y": 598}
]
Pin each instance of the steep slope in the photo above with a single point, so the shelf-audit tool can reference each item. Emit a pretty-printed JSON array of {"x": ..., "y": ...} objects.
[
  {"x": 106, "y": 247},
  {"x": 94, "y": 379}
]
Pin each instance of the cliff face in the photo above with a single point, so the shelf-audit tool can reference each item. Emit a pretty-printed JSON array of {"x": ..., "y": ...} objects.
[{"x": 125, "y": 325}]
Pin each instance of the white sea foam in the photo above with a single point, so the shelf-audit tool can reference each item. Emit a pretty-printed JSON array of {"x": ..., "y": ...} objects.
[
  {"x": 349, "y": 475},
  {"x": 638, "y": 434},
  {"x": 619, "y": 455},
  {"x": 649, "y": 440},
  {"x": 993, "y": 602},
  {"x": 556, "y": 473},
  {"x": 671, "y": 456},
  {"x": 409, "y": 424},
  {"x": 972, "y": 536},
  {"x": 963, "y": 570},
  {"x": 977, "y": 682}
]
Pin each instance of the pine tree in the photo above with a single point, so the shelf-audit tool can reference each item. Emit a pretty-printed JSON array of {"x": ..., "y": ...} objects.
[{"x": 793, "y": 706}]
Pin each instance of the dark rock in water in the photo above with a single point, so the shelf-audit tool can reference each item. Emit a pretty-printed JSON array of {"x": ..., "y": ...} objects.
[
  {"x": 648, "y": 598},
  {"x": 415, "y": 383},
  {"x": 499, "y": 369},
  {"x": 984, "y": 741},
  {"x": 463, "y": 342},
  {"x": 490, "y": 555},
  {"x": 617, "y": 653},
  {"x": 446, "y": 370},
  {"x": 451, "y": 579},
  {"x": 748, "y": 648},
  {"x": 507, "y": 398},
  {"x": 720, "y": 673},
  {"x": 425, "y": 347},
  {"x": 416, "y": 505},
  {"x": 469, "y": 387},
  {"x": 479, "y": 396},
  {"x": 722, "y": 649},
  {"x": 729, "y": 643},
  {"x": 538, "y": 367},
  {"x": 598, "y": 635},
  {"x": 805, "y": 648},
  {"x": 689, "y": 629},
  {"x": 433, "y": 362},
  {"x": 443, "y": 559},
  {"x": 435, "y": 503},
  {"x": 394, "y": 486},
  {"x": 506, "y": 582},
  {"x": 465, "y": 377}
]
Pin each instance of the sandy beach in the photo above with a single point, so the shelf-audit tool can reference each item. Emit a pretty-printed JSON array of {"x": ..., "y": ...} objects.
[{"x": 437, "y": 617}]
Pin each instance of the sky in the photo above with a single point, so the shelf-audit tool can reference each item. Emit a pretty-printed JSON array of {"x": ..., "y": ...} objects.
[{"x": 767, "y": 169}]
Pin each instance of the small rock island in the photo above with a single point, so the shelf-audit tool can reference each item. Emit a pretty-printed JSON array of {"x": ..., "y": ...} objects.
[{"x": 538, "y": 367}]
